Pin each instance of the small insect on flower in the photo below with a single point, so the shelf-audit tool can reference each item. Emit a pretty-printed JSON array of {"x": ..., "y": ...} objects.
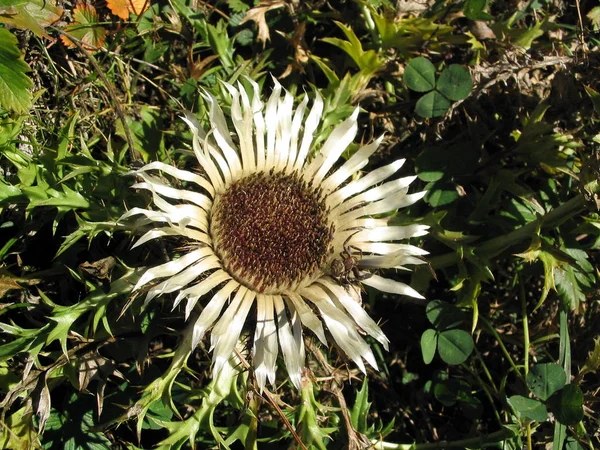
[
  {"x": 345, "y": 269},
  {"x": 269, "y": 221}
]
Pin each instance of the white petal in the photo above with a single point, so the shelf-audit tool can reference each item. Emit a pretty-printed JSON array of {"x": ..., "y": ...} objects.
[
  {"x": 351, "y": 166},
  {"x": 284, "y": 131},
  {"x": 241, "y": 116},
  {"x": 307, "y": 316},
  {"x": 311, "y": 124},
  {"x": 179, "y": 174},
  {"x": 212, "y": 310},
  {"x": 271, "y": 121},
  {"x": 184, "y": 278},
  {"x": 396, "y": 260},
  {"x": 298, "y": 334},
  {"x": 295, "y": 133},
  {"x": 385, "y": 248},
  {"x": 259, "y": 125},
  {"x": 156, "y": 186},
  {"x": 341, "y": 327},
  {"x": 356, "y": 311},
  {"x": 382, "y": 206},
  {"x": 204, "y": 286},
  {"x": 227, "y": 331},
  {"x": 203, "y": 157},
  {"x": 392, "y": 233},
  {"x": 394, "y": 188},
  {"x": 220, "y": 132},
  {"x": 172, "y": 267},
  {"x": 339, "y": 139},
  {"x": 371, "y": 179},
  {"x": 291, "y": 353},
  {"x": 391, "y": 286},
  {"x": 177, "y": 231},
  {"x": 265, "y": 349}
]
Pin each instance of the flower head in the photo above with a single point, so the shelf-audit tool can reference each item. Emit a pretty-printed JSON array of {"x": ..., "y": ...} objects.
[{"x": 273, "y": 228}]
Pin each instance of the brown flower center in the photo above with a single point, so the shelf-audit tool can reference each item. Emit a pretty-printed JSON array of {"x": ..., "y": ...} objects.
[{"x": 271, "y": 231}]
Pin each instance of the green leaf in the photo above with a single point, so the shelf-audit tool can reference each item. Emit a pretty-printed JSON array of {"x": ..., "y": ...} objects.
[
  {"x": 572, "y": 444},
  {"x": 567, "y": 405},
  {"x": 31, "y": 15},
  {"x": 474, "y": 10},
  {"x": 435, "y": 163},
  {"x": 545, "y": 379},
  {"x": 529, "y": 408},
  {"x": 441, "y": 193},
  {"x": 367, "y": 61},
  {"x": 14, "y": 83},
  {"x": 455, "y": 82},
  {"x": 432, "y": 104},
  {"x": 443, "y": 315},
  {"x": 428, "y": 345},
  {"x": 454, "y": 346},
  {"x": 360, "y": 410},
  {"x": 450, "y": 391},
  {"x": 419, "y": 75}
]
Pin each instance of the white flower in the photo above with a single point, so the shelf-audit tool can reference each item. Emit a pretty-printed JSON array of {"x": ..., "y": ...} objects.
[{"x": 273, "y": 229}]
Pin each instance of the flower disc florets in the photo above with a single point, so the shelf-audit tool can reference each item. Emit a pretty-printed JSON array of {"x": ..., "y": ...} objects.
[
  {"x": 276, "y": 226},
  {"x": 271, "y": 230}
]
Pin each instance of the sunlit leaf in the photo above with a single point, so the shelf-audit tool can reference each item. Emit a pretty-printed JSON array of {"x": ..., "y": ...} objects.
[
  {"x": 14, "y": 83},
  {"x": 428, "y": 345},
  {"x": 85, "y": 28},
  {"x": 455, "y": 82},
  {"x": 432, "y": 104},
  {"x": 529, "y": 408},
  {"x": 123, "y": 8},
  {"x": 419, "y": 75},
  {"x": 455, "y": 346},
  {"x": 545, "y": 379},
  {"x": 32, "y": 15}
]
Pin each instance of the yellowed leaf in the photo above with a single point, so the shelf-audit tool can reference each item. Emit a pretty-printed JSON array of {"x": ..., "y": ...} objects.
[
  {"x": 122, "y": 8},
  {"x": 85, "y": 28}
]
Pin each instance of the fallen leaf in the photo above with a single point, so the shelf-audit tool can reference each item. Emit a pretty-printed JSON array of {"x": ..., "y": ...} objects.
[
  {"x": 122, "y": 8},
  {"x": 84, "y": 28},
  {"x": 257, "y": 15}
]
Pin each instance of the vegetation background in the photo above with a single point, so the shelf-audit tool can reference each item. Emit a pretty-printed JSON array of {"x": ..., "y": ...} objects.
[{"x": 495, "y": 104}]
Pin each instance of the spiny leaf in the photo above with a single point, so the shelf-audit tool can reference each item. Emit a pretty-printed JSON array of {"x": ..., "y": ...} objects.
[{"x": 14, "y": 83}]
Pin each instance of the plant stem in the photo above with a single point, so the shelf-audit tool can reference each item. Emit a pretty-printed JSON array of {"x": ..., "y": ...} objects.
[
  {"x": 526, "y": 345},
  {"x": 497, "y": 245},
  {"x": 474, "y": 442}
]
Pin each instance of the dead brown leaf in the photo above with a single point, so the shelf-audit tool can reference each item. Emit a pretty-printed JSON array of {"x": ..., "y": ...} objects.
[{"x": 257, "y": 15}]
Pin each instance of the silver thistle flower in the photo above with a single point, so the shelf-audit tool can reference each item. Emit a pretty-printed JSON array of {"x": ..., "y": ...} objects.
[{"x": 269, "y": 225}]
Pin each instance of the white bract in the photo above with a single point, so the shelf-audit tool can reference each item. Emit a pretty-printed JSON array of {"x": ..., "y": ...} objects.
[{"x": 274, "y": 226}]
